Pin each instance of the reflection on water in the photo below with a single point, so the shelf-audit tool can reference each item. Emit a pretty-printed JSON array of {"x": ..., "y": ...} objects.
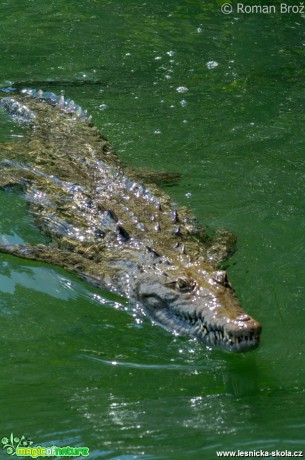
[
  {"x": 196, "y": 418},
  {"x": 38, "y": 279},
  {"x": 239, "y": 379}
]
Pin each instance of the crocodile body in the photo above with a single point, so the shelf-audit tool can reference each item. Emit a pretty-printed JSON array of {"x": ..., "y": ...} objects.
[{"x": 115, "y": 232}]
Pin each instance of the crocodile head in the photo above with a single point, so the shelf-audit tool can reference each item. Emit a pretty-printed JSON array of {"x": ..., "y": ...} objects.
[{"x": 203, "y": 306}]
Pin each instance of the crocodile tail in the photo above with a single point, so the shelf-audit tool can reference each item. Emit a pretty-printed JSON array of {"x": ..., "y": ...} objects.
[
  {"x": 18, "y": 111},
  {"x": 21, "y": 113}
]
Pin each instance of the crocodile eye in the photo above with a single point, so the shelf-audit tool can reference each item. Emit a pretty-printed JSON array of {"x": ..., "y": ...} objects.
[
  {"x": 171, "y": 284},
  {"x": 221, "y": 277},
  {"x": 185, "y": 285}
]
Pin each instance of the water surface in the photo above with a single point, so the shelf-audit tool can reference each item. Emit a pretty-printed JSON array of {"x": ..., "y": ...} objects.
[{"x": 175, "y": 86}]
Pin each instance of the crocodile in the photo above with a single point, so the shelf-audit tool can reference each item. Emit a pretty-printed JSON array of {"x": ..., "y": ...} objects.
[{"x": 115, "y": 231}]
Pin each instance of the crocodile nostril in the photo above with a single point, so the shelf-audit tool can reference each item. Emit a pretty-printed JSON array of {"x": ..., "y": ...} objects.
[{"x": 244, "y": 317}]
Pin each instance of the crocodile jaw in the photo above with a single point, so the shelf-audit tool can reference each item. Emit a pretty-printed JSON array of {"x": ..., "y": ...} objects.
[
  {"x": 231, "y": 335},
  {"x": 216, "y": 320}
]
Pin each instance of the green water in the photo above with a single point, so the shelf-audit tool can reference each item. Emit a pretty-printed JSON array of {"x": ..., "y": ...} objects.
[{"x": 176, "y": 86}]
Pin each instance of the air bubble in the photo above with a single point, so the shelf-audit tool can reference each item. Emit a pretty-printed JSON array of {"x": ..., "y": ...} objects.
[
  {"x": 212, "y": 64},
  {"x": 182, "y": 89}
]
